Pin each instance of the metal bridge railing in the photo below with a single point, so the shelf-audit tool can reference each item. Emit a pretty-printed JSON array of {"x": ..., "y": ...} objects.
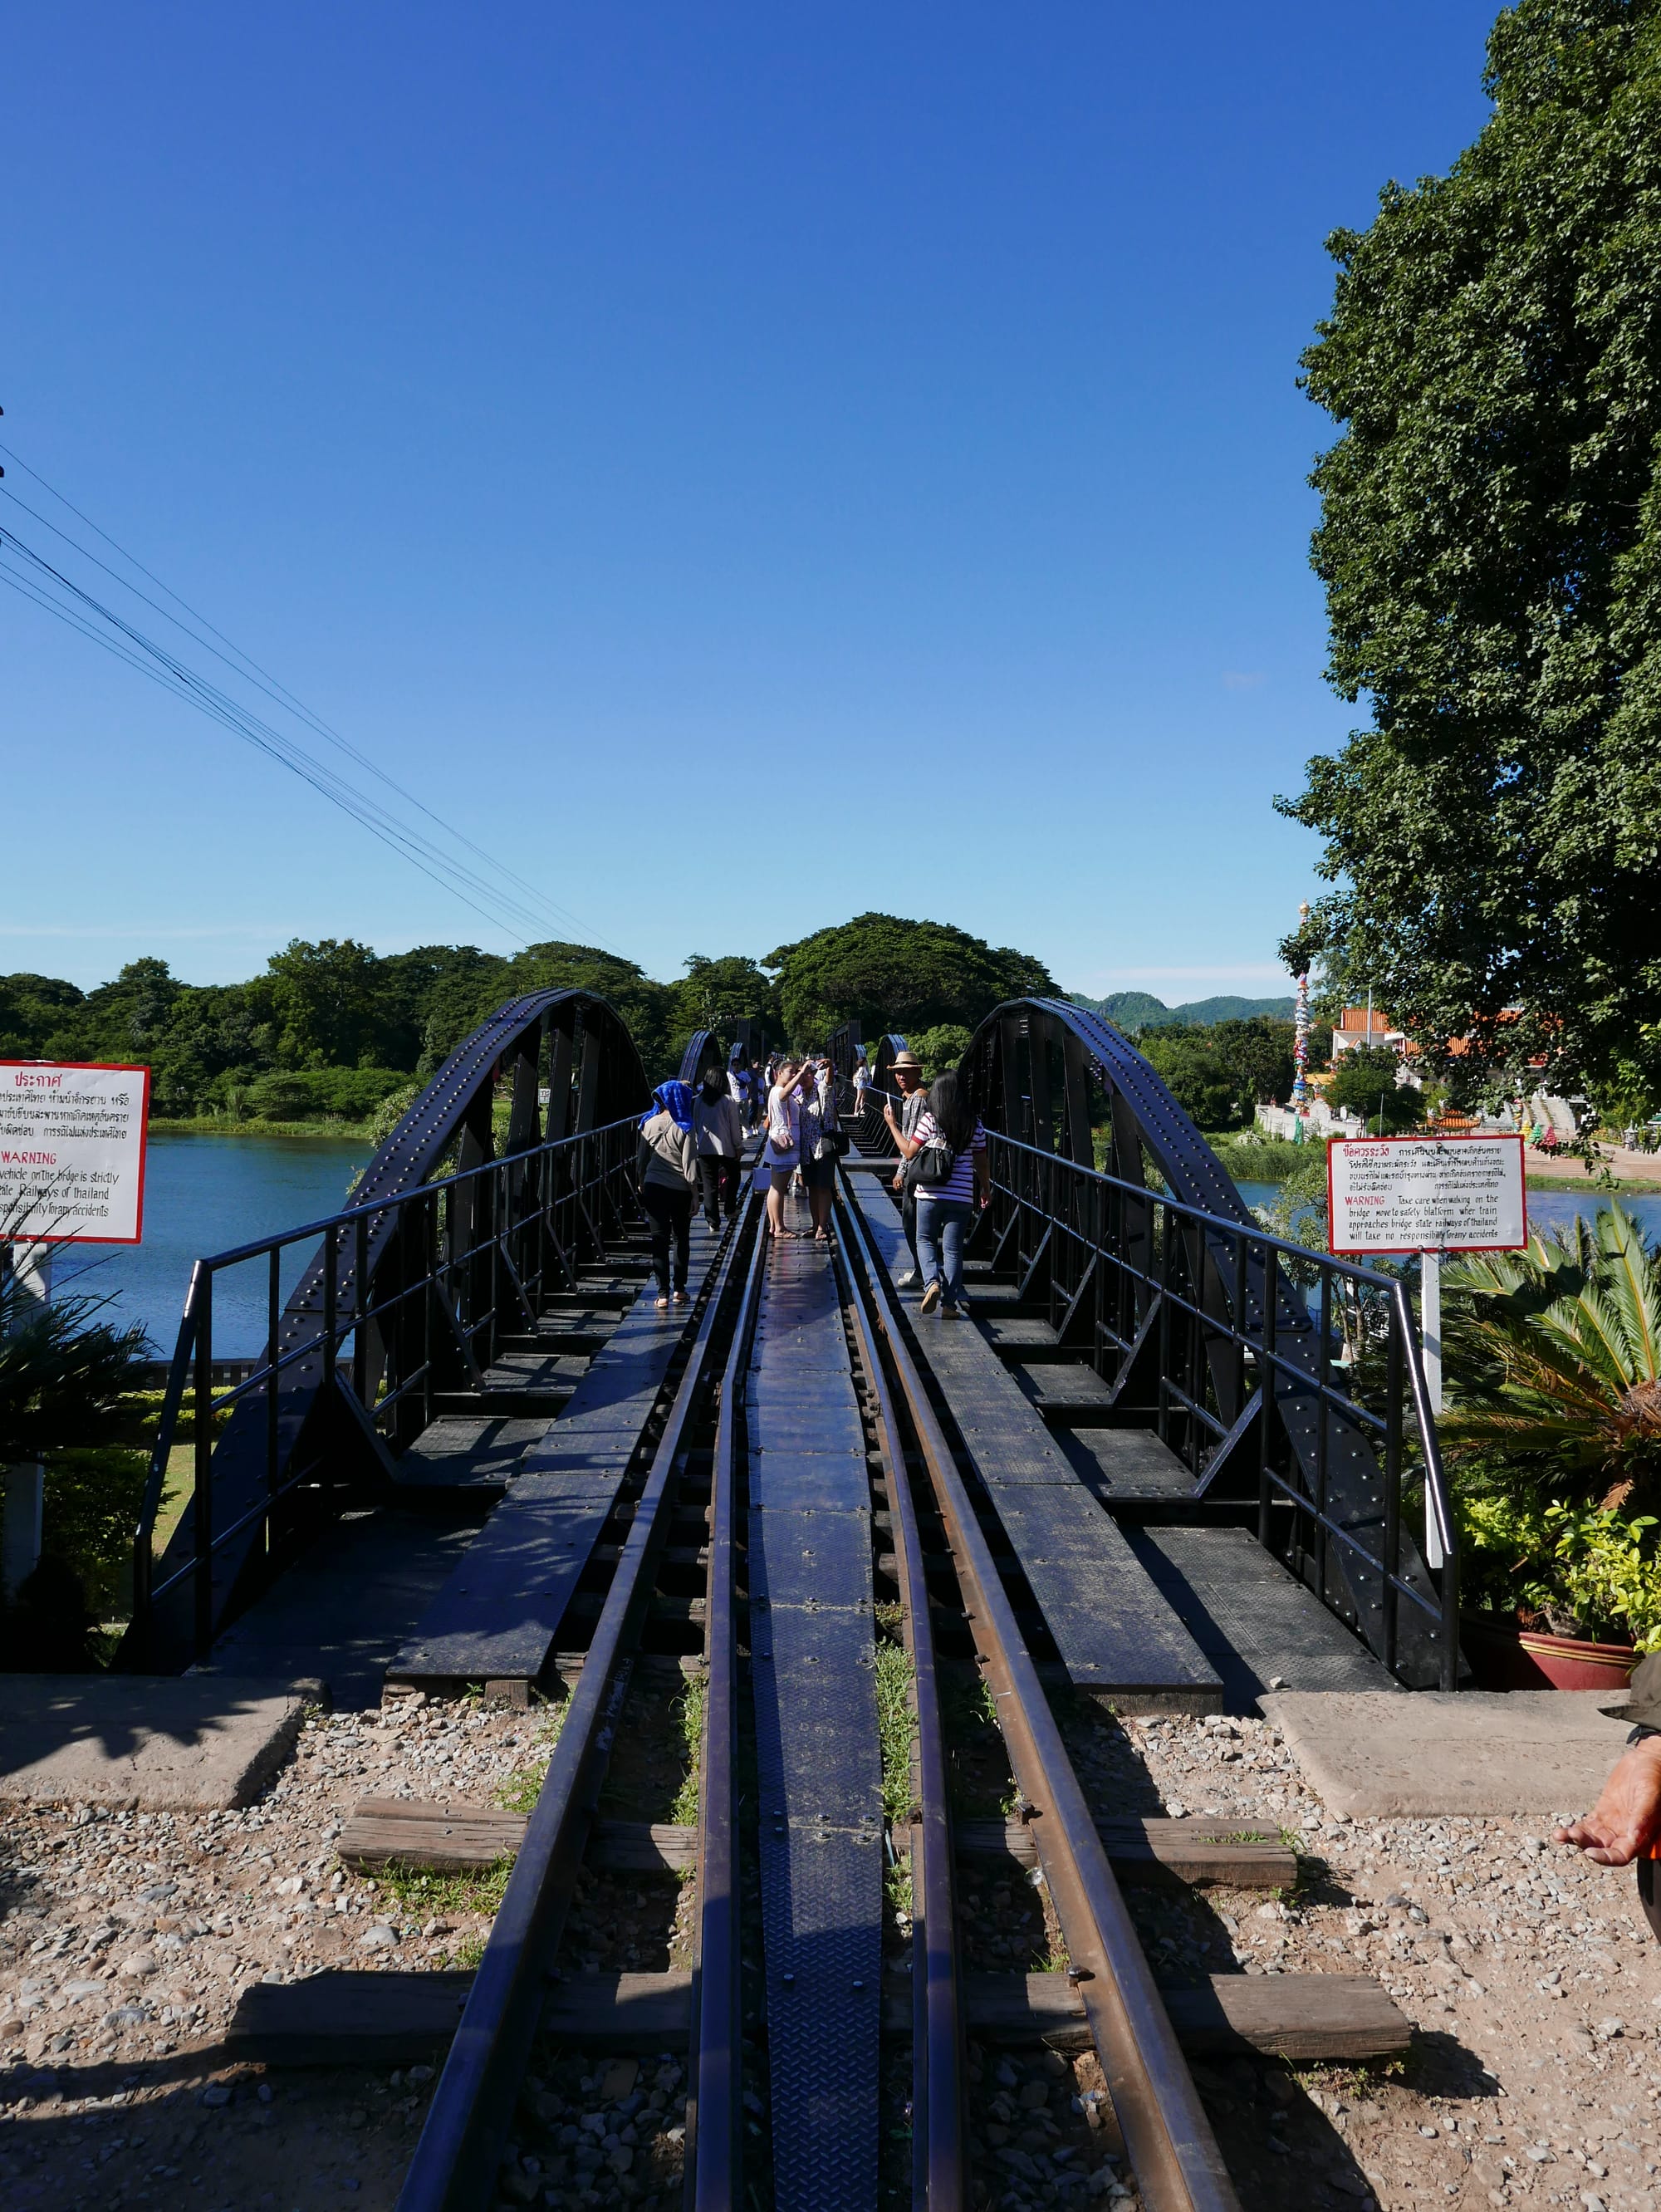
[
  {"x": 399, "y": 1294},
  {"x": 1262, "y": 1364}
]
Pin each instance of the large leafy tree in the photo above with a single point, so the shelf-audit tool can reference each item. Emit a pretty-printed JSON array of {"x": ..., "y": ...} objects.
[
  {"x": 896, "y": 975},
  {"x": 1220, "y": 1074},
  {"x": 1490, "y": 543},
  {"x": 714, "y": 993},
  {"x": 323, "y": 1002},
  {"x": 644, "y": 1006}
]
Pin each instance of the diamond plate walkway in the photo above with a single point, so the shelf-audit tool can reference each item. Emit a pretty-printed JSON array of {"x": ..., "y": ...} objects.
[
  {"x": 818, "y": 1764},
  {"x": 1116, "y": 1634}
]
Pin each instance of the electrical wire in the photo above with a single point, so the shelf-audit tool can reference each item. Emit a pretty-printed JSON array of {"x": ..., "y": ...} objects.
[
  {"x": 243, "y": 666},
  {"x": 182, "y": 683}
]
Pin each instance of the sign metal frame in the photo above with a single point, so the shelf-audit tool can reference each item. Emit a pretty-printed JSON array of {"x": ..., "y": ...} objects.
[
  {"x": 1356, "y": 1144},
  {"x": 101, "y": 1068}
]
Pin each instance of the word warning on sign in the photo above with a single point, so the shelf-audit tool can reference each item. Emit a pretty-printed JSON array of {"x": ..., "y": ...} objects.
[
  {"x": 1426, "y": 1195},
  {"x": 72, "y": 1141}
]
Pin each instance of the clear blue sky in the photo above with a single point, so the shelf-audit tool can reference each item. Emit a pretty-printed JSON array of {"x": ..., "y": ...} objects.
[{"x": 745, "y": 463}]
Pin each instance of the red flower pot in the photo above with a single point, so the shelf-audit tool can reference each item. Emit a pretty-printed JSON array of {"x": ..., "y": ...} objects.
[{"x": 1506, "y": 1656}]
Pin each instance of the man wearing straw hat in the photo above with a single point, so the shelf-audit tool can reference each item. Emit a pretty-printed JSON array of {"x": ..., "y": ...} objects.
[{"x": 908, "y": 1074}]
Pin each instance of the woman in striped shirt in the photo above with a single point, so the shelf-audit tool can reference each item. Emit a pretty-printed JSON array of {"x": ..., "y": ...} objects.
[{"x": 944, "y": 1210}]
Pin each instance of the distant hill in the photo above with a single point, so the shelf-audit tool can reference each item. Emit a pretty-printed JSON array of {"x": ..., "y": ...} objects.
[{"x": 1140, "y": 1010}]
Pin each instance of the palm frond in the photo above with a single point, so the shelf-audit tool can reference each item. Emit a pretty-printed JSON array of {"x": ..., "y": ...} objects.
[{"x": 1554, "y": 1352}]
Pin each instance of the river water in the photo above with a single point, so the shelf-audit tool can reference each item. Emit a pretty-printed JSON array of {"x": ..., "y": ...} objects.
[
  {"x": 206, "y": 1194},
  {"x": 209, "y": 1194}
]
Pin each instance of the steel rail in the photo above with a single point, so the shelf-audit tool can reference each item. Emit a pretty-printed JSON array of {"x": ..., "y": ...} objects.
[
  {"x": 1172, "y": 2149},
  {"x": 939, "y": 2172},
  {"x": 715, "y": 2110},
  {"x": 456, "y": 2159}
]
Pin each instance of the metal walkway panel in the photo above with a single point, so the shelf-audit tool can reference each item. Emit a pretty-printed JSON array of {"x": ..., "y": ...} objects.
[
  {"x": 1113, "y": 1628},
  {"x": 1127, "y": 1466},
  {"x": 469, "y": 1451},
  {"x": 1065, "y": 1383},
  {"x": 818, "y": 1759},
  {"x": 346, "y": 1605},
  {"x": 1260, "y": 1627},
  {"x": 804, "y": 1352},
  {"x": 830, "y": 1482},
  {"x": 806, "y": 1557},
  {"x": 497, "y": 1616}
]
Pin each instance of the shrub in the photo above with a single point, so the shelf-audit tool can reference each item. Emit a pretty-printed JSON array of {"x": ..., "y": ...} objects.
[
  {"x": 316, "y": 1094},
  {"x": 1589, "y": 1572}
]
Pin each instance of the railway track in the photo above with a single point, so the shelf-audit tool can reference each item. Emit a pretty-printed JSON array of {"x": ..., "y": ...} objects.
[{"x": 821, "y": 1541}]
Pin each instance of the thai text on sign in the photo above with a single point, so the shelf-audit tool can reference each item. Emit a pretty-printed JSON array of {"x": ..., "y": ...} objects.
[
  {"x": 72, "y": 1152},
  {"x": 1426, "y": 1195}
]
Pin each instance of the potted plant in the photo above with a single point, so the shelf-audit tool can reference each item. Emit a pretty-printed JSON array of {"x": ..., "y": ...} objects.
[
  {"x": 1569, "y": 1595},
  {"x": 1554, "y": 1440}
]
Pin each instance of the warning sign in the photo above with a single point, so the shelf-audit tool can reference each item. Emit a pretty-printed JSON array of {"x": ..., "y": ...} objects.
[
  {"x": 1426, "y": 1195},
  {"x": 72, "y": 1152}
]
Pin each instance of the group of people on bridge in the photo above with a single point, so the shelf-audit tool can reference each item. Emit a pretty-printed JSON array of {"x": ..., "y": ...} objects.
[{"x": 694, "y": 1138}]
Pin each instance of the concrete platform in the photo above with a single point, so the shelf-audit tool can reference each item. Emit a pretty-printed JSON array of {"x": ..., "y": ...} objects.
[
  {"x": 156, "y": 1743},
  {"x": 1542, "y": 1752}
]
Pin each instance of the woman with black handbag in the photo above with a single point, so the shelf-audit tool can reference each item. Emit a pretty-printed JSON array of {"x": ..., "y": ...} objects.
[{"x": 948, "y": 1168}]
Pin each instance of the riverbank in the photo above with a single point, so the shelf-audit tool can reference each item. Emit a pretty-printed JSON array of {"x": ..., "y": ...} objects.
[{"x": 341, "y": 1132}]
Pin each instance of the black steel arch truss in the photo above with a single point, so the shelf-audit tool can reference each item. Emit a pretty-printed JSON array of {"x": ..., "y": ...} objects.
[
  {"x": 1152, "y": 1264},
  {"x": 873, "y": 1131},
  {"x": 703, "y": 1052},
  {"x": 446, "y": 1232},
  {"x": 749, "y": 1042}
]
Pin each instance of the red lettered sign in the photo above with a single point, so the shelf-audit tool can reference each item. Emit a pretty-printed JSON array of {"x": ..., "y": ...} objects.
[
  {"x": 72, "y": 1138},
  {"x": 1426, "y": 1195}
]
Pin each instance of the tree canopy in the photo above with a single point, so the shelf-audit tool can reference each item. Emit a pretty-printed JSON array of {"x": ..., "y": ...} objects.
[
  {"x": 1490, "y": 543},
  {"x": 1364, "y": 1083},
  {"x": 897, "y": 975},
  {"x": 334, "y": 1029},
  {"x": 1219, "y": 1075}
]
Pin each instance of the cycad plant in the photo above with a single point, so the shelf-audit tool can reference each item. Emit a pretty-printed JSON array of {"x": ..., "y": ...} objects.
[{"x": 1553, "y": 1356}]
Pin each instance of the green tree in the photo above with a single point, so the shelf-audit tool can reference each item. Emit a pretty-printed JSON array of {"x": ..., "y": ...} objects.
[
  {"x": 714, "y": 993},
  {"x": 32, "y": 1010},
  {"x": 644, "y": 1005},
  {"x": 1202, "y": 1085},
  {"x": 323, "y": 1002},
  {"x": 891, "y": 974},
  {"x": 1364, "y": 1083},
  {"x": 1219, "y": 1075},
  {"x": 1490, "y": 543},
  {"x": 940, "y": 1047}
]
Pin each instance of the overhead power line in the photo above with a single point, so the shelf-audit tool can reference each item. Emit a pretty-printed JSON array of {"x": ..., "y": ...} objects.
[{"x": 509, "y": 901}]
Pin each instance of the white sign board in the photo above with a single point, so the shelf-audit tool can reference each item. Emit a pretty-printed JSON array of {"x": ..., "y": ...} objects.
[
  {"x": 72, "y": 1151},
  {"x": 1426, "y": 1195}
]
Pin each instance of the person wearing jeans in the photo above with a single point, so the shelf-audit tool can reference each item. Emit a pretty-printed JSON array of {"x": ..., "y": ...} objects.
[
  {"x": 950, "y": 1140},
  {"x": 666, "y": 1164}
]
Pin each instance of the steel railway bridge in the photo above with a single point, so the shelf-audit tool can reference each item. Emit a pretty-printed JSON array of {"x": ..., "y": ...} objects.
[{"x": 1169, "y": 1463}]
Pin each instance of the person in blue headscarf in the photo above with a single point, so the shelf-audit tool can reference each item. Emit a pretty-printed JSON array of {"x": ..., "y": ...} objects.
[{"x": 666, "y": 1164}]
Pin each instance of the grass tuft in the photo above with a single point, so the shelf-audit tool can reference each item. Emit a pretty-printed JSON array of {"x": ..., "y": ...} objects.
[
  {"x": 689, "y": 1709},
  {"x": 426, "y": 1895},
  {"x": 520, "y": 1792},
  {"x": 896, "y": 1727}
]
